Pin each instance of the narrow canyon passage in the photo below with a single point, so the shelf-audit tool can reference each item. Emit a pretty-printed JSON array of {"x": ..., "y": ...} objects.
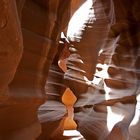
[
  {"x": 69, "y": 69},
  {"x": 69, "y": 99}
]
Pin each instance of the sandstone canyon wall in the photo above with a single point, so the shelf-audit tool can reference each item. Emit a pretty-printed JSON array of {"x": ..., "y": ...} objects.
[{"x": 103, "y": 68}]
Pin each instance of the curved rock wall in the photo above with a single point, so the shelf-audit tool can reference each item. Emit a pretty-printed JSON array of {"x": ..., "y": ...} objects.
[
  {"x": 107, "y": 40},
  {"x": 103, "y": 69},
  {"x": 41, "y": 24}
]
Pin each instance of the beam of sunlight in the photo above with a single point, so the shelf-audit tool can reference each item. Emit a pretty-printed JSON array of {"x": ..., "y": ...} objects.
[
  {"x": 113, "y": 117},
  {"x": 77, "y": 22}
]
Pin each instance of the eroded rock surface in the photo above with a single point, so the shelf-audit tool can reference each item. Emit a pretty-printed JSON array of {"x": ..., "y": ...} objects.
[{"x": 103, "y": 68}]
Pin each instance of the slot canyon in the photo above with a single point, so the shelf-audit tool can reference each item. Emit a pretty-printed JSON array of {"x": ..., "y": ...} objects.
[{"x": 69, "y": 70}]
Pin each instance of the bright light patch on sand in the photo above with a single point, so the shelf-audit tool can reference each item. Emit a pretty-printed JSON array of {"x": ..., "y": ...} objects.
[{"x": 73, "y": 133}]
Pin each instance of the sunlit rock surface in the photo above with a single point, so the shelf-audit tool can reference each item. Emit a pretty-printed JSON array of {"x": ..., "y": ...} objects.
[{"x": 102, "y": 68}]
